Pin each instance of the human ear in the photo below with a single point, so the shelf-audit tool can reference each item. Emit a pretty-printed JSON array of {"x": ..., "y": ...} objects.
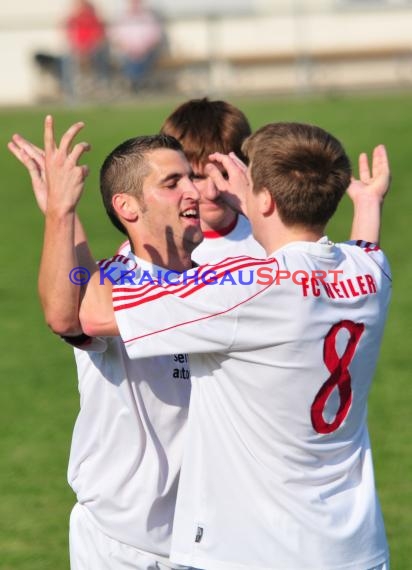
[
  {"x": 266, "y": 202},
  {"x": 126, "y": 207}
]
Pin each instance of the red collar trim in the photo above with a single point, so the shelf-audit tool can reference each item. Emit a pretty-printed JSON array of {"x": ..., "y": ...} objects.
[{"x": 213, "y": 234}]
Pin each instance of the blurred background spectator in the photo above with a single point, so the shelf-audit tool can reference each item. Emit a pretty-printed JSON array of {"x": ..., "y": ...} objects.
[
  {"x": 88, "y": 51},
  {"x": 136, "y": 38},
  {"x": 219, "y": 47}
]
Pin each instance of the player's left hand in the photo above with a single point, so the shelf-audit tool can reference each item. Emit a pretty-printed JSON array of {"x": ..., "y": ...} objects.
[
  {"x": 371, "y": 185},
  {"x": 233, "y": 187}
]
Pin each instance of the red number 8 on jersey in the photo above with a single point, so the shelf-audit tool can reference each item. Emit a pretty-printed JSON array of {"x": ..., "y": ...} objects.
[{"x": 339, "y": 378}]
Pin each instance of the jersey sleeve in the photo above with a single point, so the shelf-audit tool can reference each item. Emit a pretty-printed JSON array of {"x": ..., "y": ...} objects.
[
  {"x": 197, "y": 313},
  {"x": 375, "y": 253}
]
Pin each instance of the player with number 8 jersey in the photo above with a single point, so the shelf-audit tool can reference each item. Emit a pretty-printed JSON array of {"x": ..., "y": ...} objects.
[{"x": 277, "y": 471}]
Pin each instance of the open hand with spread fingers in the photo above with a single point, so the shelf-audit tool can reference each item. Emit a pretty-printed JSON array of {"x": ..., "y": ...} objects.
[{"x": 64, "y": 176}]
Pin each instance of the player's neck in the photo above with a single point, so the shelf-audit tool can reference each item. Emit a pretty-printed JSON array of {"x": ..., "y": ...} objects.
[
  {"x": 220, "y": 225},
  {"x": 210, "y": 232},
  {"x": 285, "y": 235},
  {"x": 176, "y": 261}
]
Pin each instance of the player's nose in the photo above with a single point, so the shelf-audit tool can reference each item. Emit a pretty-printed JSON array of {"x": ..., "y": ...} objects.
[
  {"x": 190, "y": 190},
  {"x": 210, "y": 190}
]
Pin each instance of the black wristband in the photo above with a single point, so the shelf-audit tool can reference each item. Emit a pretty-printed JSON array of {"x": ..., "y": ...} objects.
[{"x": 78, "y": 340}]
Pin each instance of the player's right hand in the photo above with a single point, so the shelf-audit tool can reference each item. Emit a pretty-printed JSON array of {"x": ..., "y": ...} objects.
[
  {"x": 32, "y": 157},
  {"x": 64, "y": 176}
]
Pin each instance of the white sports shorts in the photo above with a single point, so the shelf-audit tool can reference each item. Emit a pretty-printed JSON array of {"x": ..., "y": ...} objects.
[{"x": 91, "y": 549}]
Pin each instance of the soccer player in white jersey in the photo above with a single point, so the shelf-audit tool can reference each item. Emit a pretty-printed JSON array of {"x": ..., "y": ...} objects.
[
  {"x": 277, "y": 470},
  {"x": 127, "y": 442}
]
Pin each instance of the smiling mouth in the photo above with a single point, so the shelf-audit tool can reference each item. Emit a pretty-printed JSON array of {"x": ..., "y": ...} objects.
[{"x": 192, "y": 214}]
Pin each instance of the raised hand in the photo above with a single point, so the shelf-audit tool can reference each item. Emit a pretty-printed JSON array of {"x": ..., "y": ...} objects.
[
  {"x": 64, "y": 176},
  {"x": 234, "y": 185},
  {"x": 32, "y": 157},
  {"x": 373, "y": 184},
  {"x": 367, "y": 194}
]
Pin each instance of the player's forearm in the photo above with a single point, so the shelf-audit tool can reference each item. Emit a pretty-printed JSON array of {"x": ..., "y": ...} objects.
[
  {"x": 367, "y": 218},
  {"x": 84, "y": 255},
  {"x": 59, "y": 293},
  {"x": 96, "y": 308}
]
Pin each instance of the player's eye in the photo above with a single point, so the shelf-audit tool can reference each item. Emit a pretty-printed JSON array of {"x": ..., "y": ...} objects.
[{"x": 197, "y": 177}]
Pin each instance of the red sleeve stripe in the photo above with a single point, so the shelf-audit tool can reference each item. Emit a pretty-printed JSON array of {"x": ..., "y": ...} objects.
[
  {"x": 372, "y": 248},
  {"x": 153, "y": 283},
  {"x": 180, "y": 286},
  {"x": 219, "y": 270},
  {"x": 160, "y": 294},
  {"x": 105, "y": 263},
  {"x": 182, "y": 291},
  {"x": 367, "y": 245}
]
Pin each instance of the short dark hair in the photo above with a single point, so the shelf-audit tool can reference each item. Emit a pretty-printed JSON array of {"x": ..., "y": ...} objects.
[
  {"x": 304, "y": 167},
  {"x": 125, "y": 168},
  {"x": 203, "y": 127}
]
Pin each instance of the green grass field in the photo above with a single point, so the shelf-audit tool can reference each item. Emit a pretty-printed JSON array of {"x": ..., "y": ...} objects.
[{"x": 38, "y": 381}]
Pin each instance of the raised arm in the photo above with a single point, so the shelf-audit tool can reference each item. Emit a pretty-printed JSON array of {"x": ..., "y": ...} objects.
[
  {"x": 63, "y": 319},
  {"x": 367, "y": 194},
  {"x": 65, "y": 180}
]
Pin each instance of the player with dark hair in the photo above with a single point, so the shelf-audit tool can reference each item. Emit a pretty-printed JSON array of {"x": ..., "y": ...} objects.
[{"x": 127, "y": 443}]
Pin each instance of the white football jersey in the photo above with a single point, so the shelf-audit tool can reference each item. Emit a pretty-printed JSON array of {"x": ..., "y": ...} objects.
[
  {"x": 238, "y": 241},
  {"x": 127, "y": 442},
  {"x": 277, "y": 471}
]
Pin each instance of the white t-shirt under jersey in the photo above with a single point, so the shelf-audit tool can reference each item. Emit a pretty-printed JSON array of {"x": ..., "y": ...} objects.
[
  {"x": 277, "y": 471},
  {"x": 127, "y": 443}
]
